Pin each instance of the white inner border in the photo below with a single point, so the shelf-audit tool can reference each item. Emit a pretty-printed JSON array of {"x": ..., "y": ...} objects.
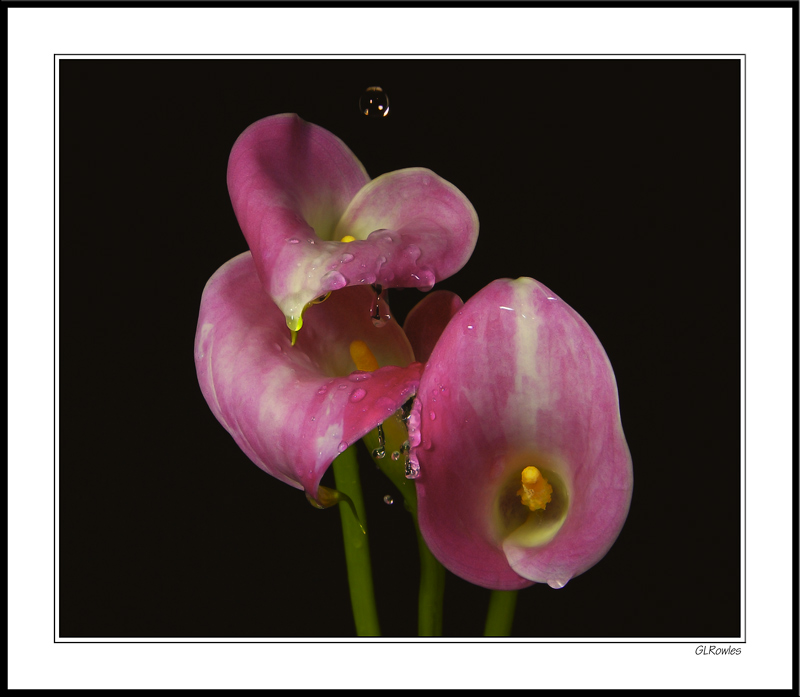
[{"x": 762, "y": 34}]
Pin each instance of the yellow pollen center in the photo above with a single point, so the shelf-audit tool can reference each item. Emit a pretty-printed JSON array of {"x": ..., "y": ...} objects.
[
  {"x": 348, "y": 238},
  {"x": 536, "y": 492},
  {"x": 363, "y": 357}
]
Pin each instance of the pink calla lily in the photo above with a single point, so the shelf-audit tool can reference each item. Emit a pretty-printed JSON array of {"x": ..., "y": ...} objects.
[
  {"x": 293, "y": 409},
  {"x": 298, "y": 192},
  {"x": 516, "y": 379}
]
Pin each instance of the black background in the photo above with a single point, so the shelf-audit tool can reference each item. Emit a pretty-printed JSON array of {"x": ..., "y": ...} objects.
[{"x": 614, "y": 182}]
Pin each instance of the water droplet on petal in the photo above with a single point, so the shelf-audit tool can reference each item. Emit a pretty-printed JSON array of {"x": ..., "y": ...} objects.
[
  {"x": 469, "y": 326},
  {"x": 342, "y": 446},
  {"x": 432, "y": 415},
  {"x": 413, "y": 252},
  {"x": 311, "y": 240},
  {"x": 346, "y": 257},
  {"x": 333, "y": 280},
  {"x": 374, "y": 102},
  {"x": 427, "y": 280},
  {"x": 293, "y": 240},
  {"x": 359, "y": 376},
  {"x": 322, "y": 390},
  {"x": 358, "y": 395},
  {"x": 388, "y": 500},
  {"x": 557, "y": 583}
]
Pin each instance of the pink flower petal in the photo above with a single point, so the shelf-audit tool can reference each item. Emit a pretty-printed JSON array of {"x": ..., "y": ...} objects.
[
  {"x": 293, "y": 409},
  {"x": 297, "y": 190},
  {"x": 519, "y": 378},
  {"x": 427, "y": 320}
]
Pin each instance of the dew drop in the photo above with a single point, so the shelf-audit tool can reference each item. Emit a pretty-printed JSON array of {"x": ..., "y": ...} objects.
[
  {"x": 342, "y": 387},
  {"x": 313, "y": 418},
  {"x": 427, "y": 280},
  {"x": 342, "y": 447},
  {"x": 432, "y": 415},
  {"x": 322, "y": 390},
  {"x": 396, "y": 455},
  {"x": 358, "y": 395},
  {"x": 293, "y": 240},
  {"x": 388, "y": 500},
  {"x": 557, "y": 583},
  {"x": 310, "y": 240},
  {"x": 413, "y": 252},
  {"x": 469, "y": 326},
  {"x": 374, "y": 103},
  {"x": 346, "y": 257},
  {"x": 333, "y": 280}
]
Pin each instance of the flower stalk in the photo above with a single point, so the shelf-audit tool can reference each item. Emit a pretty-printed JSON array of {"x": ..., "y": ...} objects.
[
  {"x": 500, "y": 617},
  {"x": 356, "y": 545}
]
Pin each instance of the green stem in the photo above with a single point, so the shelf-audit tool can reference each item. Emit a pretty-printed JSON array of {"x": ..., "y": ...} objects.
[
  {"x": 501, "y": 613},
  {"x": 356, "y": 545},
  {"x": 431, "y": 590},
  {"x": 432, "y": 573}
]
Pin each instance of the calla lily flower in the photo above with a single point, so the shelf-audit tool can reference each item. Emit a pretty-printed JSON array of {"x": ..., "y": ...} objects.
[
  {"x": 524, "y": 472},
  {"x": 293, "y": 409},
  {"x": 315, "y": 222}
]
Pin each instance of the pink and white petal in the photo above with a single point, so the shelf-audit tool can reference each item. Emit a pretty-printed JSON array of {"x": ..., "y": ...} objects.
[
  {"x": 292, "y": 409},
  {"x": 290, "y": 182},
  {"x": 518, "y": 373},
  {"x": 424, "y": 228},
  {"x": 427, "y": 320}
]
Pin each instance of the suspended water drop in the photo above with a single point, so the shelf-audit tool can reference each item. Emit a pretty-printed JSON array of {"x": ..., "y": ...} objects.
[
  {"x": 380, "y": 451},
  {"x": 396, "y": 455},
  {"x": 412, "y": 467},
  {"x": 388, "y": 499},
  {"x": 380, "y": 309},
  {"x": 374, "y": 102},
  {"x": 342, "y": 446}
]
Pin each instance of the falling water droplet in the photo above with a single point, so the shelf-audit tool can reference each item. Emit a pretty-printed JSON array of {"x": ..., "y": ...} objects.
[
  {"x": 396, "y": 455},
  {"x": 358, "y": 395},
  {"x": 374, "y": 102},
  {"x": 388, "y": 500}
]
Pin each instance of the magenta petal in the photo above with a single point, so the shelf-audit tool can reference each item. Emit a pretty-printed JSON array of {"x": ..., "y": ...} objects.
[
  {"x": 297, "y": 191},
  {"x": 293, "y": 409},
  {"x": 427, "y": 320},
  {"x": 518, "y": 378},
  {"x": 423, "y": 227}
]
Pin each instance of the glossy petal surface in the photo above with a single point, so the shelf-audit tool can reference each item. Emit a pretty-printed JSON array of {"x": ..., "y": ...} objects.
[
  {"x": 292, "y": 409},
  {"x": 297, "y": 190},
  {"x": 519, "y": 378}
]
